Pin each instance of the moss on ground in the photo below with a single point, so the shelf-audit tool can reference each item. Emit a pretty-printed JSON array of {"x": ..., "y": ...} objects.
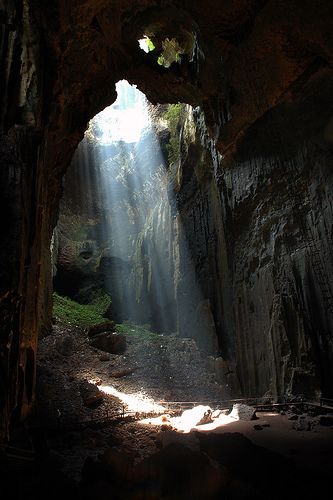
[
  {"x": 68, "y": 311},
  {"x": 137, "y": 331},
  {"x": 71, "y": 312}
]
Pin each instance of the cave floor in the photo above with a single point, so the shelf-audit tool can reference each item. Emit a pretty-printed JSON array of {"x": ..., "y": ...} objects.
[
  {"x": 153, "y": 369},
  {"x": 234, "y": 461}
]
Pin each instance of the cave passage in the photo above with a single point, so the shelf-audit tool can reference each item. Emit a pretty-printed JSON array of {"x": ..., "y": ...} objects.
[{"x": 118, "y": 225}]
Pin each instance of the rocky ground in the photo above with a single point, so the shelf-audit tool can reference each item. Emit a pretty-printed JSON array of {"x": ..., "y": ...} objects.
[
  {"x": 73, "y": 375},
  {"x": 83, "y": 450}
]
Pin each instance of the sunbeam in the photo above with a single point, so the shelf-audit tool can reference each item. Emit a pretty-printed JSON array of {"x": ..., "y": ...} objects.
[{"x": 133, "y": 182}]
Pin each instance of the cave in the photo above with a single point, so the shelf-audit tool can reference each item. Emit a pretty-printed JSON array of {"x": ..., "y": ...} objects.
[{"x": 249, "y": 183}]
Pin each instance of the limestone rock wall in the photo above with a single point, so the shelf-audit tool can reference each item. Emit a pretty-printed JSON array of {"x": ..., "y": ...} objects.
[
  {"x": 258, "y": 234},
  {"x": 282, "y": 271},
  {"x": 25, "y": 304}
]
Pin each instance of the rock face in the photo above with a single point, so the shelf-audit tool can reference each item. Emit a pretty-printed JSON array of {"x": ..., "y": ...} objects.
[
  {"x": 262, "y": 73},
  {"x": 263, "y": 226}
]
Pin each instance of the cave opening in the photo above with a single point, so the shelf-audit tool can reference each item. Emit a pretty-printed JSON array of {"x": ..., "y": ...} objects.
[{"x": 119, "y": 225}]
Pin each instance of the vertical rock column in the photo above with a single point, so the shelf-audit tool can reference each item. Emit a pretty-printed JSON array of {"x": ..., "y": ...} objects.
[{"x": 25, "y": 228}]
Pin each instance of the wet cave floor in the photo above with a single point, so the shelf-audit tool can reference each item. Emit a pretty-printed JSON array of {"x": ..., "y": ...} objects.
[{"x": 84, "y": 449}]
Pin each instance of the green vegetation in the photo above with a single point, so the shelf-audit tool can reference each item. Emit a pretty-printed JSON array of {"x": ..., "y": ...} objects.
[
  {"x": 173, "y": 116},
  {"x": 141, "y": 332},
  {"x": 100, "y": 300},
  {"x": 150, "y": 44},
  {"x": 85, "y": 315},
  {"x": 71, "y": 312},
  {"x": 171, "y": 52}
]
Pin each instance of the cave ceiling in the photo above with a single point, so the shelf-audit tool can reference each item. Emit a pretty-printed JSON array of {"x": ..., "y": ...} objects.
[{"x": 250, "y": 57}]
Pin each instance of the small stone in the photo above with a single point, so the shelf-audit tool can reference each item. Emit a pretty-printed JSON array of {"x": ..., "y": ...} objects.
[
  {"x": 257, "y": 427},
  {"x": 122, "y": 373},
  {"x": 104, "y": 357},
  {"x": 65, "y": 345},
  {"x": 207, "y": 418},
  {"x": 243, "y": 412},
  {"x": 93, "y": 400}
]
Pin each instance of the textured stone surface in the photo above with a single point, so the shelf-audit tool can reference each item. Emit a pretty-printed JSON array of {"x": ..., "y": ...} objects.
[
  {"x": 114, "y": 343},
  {"x": 108, "y": 326}
]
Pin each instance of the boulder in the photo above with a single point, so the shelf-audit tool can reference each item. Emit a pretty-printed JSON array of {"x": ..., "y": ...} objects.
[
  {"x": 93, "y": 400},
  {"x": 241, "y": 411},
  {"x": 114, "y": 343},
  {"x": 91, "y": 395},
  {"x": 107, "y": 326},
  {"x": 104, "y": 357},
  {"x": 122, "y": 373}
]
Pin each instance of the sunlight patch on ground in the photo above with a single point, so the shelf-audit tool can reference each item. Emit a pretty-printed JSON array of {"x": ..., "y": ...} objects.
[
  {"x": 137, "y": 402},
  {"x": 190, "y": 420}
]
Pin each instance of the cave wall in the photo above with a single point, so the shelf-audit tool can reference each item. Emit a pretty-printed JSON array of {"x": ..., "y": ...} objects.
[
  {"x": 265, "y": 231},
  {"x": 59, "y": 63},
  {"x": 282, "y": 272},
  {"x": 25, "y": 303}
]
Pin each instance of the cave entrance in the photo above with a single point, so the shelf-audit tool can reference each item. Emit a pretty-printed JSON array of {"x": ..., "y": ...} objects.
[{"x": 118, "y": 219}]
